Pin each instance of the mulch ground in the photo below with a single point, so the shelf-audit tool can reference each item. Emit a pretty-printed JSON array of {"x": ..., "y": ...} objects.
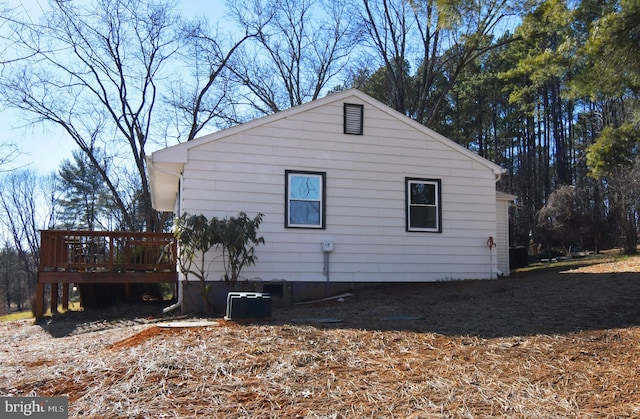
[{"x": 558, "y": 342}]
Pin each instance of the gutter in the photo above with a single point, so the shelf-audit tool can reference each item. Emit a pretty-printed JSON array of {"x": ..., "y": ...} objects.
[{"x": 499, "y": 174}]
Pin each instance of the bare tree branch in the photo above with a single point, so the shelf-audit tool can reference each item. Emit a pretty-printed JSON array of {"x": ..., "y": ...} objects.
[
  {"x": 97, "y": 71},
  {"x": 21, "y": 218},
  {"x": 299, "y": 47},
  {"x": 8, "y": 154},
  {"x": 442, "y": 38}
]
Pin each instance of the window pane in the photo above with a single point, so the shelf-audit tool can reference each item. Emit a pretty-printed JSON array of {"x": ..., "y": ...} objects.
[
  {"x": 304, "y": 213},
  {"x": 305, "y": 187},
  {"x": 423, "y": 217},
  {"x": 423, "y": 205},
  {"x": 423, "y": 193},
  {"x": 304, "y": 199}
]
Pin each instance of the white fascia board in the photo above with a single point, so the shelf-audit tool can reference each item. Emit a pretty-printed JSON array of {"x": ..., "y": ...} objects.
[{"x": 503, "y": 196}]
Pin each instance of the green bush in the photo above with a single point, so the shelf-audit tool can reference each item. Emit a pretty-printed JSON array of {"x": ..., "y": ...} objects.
[{"x": 236, "y": 237}]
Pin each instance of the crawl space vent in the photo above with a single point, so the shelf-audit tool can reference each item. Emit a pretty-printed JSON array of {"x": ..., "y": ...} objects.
[{"x": 353, "y": 118}]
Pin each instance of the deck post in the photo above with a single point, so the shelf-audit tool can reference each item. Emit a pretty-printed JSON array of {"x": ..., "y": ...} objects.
[
  {"x": 54, "y": 297},
  {"x": 65, "y": 296},
  {"x": 39, "y": 308}
]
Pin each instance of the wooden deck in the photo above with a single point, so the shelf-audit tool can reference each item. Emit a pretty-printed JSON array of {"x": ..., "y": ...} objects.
[{"x": 102, "y": 257}]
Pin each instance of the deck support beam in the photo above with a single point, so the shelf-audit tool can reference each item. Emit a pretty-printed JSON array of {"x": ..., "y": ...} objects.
[
  {"x": 54, "y": 298},
  {"x": 39, "y": 304},
  {"x": 65, "y": 296}
]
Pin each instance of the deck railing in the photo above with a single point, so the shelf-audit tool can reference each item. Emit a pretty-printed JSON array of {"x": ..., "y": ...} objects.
[
  {"x": 106, "y": 251},
  {"x": 101, "y": 257}
]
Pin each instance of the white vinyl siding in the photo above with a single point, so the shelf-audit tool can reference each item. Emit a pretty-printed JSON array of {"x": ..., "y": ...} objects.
[{"x": 365, "y": 197}]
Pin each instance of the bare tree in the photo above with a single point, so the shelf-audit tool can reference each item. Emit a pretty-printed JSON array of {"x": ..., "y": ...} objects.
[
  {"x": 22, "y": 202},
  {"x": 300, "y": 47},
  {"x": 440, "y": 38},
  {"x": 559, "y": 220},
  {"x": 93, "y": 72},
  {"x": 14, "y": 285},
  {"x": 104, "y": 72},
  {"x": 8, "y": 154},
  {"x": 200, "y": 95}
]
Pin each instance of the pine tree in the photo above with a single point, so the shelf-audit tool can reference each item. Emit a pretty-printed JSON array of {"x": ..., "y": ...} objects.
[{"x": 85, "y": 197}]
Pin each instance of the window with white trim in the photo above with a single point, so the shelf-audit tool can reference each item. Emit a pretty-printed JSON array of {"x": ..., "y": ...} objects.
[
  {"x": 423, "y": 205},
  {"x": 305, "y": 199}
]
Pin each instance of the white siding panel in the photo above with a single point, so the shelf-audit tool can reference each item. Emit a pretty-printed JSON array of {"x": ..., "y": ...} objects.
[
  {"x": 502, "y": 236},
  {"x": 365, "y": 205}
]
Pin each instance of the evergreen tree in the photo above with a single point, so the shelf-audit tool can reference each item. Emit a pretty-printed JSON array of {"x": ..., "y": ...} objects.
[{"x": 85, "y": 197}]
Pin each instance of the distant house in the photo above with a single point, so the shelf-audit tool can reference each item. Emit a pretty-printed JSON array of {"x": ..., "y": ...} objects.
[{"x": 352, "y": 192}]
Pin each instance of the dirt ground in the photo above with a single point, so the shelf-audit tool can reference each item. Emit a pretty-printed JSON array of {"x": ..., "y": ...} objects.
[{"x": 557, "y": 342}]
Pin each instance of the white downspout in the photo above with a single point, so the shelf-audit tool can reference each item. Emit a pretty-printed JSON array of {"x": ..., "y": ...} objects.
[
  {"x": 490, "y": 243},
  {"x": 178, "y": 304}
]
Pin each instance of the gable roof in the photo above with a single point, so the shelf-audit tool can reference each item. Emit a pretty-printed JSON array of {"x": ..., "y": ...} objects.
[{"x": 166, "y": 165}]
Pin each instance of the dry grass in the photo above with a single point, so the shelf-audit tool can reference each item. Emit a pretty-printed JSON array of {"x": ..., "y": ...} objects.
[
  {"x": 556, "y": 343},
  {"x": 18, "y": 315}
]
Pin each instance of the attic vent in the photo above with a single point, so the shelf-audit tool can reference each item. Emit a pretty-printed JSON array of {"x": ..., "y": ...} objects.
[{"x": 353, "y": 118}]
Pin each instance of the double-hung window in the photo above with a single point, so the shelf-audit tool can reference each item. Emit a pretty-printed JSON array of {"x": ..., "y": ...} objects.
[
  {"x": 305, "y": 199},
  {"x": 423, "y": 205}
]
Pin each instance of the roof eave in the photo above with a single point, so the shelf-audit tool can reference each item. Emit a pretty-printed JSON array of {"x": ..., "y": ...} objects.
[{"x": 164, "y": 180}]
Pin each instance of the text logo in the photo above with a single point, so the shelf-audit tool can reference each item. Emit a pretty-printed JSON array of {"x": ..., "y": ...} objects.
[{"x": 34, "y": 407}]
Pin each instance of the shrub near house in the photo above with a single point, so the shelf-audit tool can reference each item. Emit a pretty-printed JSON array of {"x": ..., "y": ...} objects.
[{"x": 235, "y": 237}]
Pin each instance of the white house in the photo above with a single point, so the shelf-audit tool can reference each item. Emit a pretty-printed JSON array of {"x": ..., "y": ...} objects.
[{"x": 351, "y": 191}]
